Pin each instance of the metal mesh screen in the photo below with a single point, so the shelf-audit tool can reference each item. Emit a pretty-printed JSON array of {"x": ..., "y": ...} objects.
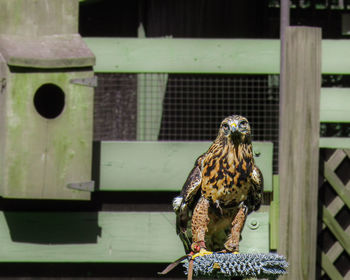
[
  {"x": 115, "y": 107},
  {"x": 194, "y": 106},
  {"x": 184, "y": 107}
]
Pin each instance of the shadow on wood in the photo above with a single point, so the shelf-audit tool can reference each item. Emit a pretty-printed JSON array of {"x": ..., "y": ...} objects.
[{"x": 53, "y": 227}]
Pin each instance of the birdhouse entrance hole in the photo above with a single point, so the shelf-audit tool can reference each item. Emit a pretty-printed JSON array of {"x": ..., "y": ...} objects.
[{"x": 49, "y": 101}]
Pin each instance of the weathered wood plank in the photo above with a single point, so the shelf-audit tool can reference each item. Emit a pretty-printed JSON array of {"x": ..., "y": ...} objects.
[
  {"x": 160, "y": 55},
  {"x": 161, "y": 165},
  {"x": 334, "y": 58},
  {"x": 104, "y": 236},
  {"x": 334, "y": 142},
  {"x": 164, "y": 55},
  {"x": 299, "y": 149},
  {"x": 334, "y": 105}
]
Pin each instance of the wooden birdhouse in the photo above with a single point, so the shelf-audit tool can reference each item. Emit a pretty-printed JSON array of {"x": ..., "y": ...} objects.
[{"x": 46, "y": 101}]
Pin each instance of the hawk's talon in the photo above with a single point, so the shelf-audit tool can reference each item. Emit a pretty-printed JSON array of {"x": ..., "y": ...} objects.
[
  {"x": 197, "y": 246},
  {"x": 201, "y": 253}
]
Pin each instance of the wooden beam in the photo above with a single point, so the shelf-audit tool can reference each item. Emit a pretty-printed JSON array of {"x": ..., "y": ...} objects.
[
  {"x": 164, "y": 55},
  {"x": 161, "y": 166},
  {"x": 335, "y": 105},
  {"x": 220, "y": 56},
  {"x": 335, "y": 142},
  {"x": 299, "y": 149},
  {"x": 334, "y": 58},
  {"x": 124, "y": 237}
]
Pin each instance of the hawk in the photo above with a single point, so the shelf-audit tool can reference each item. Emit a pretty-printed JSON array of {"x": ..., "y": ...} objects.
[{"x": 223, "y": 187}]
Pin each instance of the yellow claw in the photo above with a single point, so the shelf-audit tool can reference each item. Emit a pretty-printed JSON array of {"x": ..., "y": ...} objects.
[
  {"x": 216, "y": 266},
  {"x": 236, "y": 253},
  {"x": 201, "y": 253}
]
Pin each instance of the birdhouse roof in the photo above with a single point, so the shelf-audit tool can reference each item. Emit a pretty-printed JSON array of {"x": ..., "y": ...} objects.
[{"x": 54, "y": 51}]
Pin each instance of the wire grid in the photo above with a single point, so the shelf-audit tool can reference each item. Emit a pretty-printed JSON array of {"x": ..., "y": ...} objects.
[
  {"x": 194, "y": 105},
  {"x": 115, "y": 109},
  {"x": 182, "y": 107}
]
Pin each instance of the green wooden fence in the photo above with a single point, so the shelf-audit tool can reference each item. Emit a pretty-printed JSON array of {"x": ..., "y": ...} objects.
[
  {"x": 127, "y": 236},
  {"x": 114, "y": 236},
  {"x": 237, "y": 57}
]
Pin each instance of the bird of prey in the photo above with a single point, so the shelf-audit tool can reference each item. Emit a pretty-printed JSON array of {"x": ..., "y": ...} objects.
[{"x": 223, "y": 187}]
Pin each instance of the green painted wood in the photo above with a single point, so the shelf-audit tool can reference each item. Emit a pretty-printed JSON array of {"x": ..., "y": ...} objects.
[
  {"x": 249, "y": 56},
  {"x": 274, "y": 214},
  {"x": 334, "y": 105},
  {"x": 334, "y": 58},
  {"x": 334, "y": 142},
  {"x": 161, "y": 166},
  {"x": 342, "y": 236},
  {"x": 329, "y": 268},
  {"x": 104, "y": 236},
  {"x": 337, "y": 184},
  {"x": 255, "y": 234},
  {"x": 41, "y": 156},
  {"x": 164, "y": 55}
]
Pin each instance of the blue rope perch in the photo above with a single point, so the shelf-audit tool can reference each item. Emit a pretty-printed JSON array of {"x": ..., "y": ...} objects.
[{"x": 223, "y": 265}]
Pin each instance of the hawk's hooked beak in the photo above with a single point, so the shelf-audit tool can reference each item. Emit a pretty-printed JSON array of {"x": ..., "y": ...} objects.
[{"x": 234, "y": 127}]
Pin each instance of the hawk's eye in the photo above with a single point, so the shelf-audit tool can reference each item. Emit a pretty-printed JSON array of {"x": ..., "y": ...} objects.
[
  {"x": 243, "y": 124},
  {"x": 226, "y": 128}
]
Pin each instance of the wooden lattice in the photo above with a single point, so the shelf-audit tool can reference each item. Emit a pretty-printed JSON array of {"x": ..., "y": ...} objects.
[{"x": 334, "y": 215}]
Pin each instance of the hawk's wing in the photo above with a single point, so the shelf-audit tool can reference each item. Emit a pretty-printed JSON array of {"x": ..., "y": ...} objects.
[
  {"x": 256, "y": 191},
  {"x": 185, "y": 203},
  {"x": 192, "y": 184}
]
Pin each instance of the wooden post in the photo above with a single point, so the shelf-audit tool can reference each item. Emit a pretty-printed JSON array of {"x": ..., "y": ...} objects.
[{"x": 299, "y": 150}]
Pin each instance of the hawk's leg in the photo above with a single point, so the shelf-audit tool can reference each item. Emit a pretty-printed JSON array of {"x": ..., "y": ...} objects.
[
  {"x": 200, "y": 220},
  {"x": 232, "y": 243}
]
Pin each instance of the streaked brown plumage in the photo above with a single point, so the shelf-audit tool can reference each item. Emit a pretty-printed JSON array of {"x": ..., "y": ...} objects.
[{"x": 224, "y": 186}]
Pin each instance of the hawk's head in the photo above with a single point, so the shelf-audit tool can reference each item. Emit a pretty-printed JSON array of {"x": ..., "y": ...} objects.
[{"x": 236, "y": 129}]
